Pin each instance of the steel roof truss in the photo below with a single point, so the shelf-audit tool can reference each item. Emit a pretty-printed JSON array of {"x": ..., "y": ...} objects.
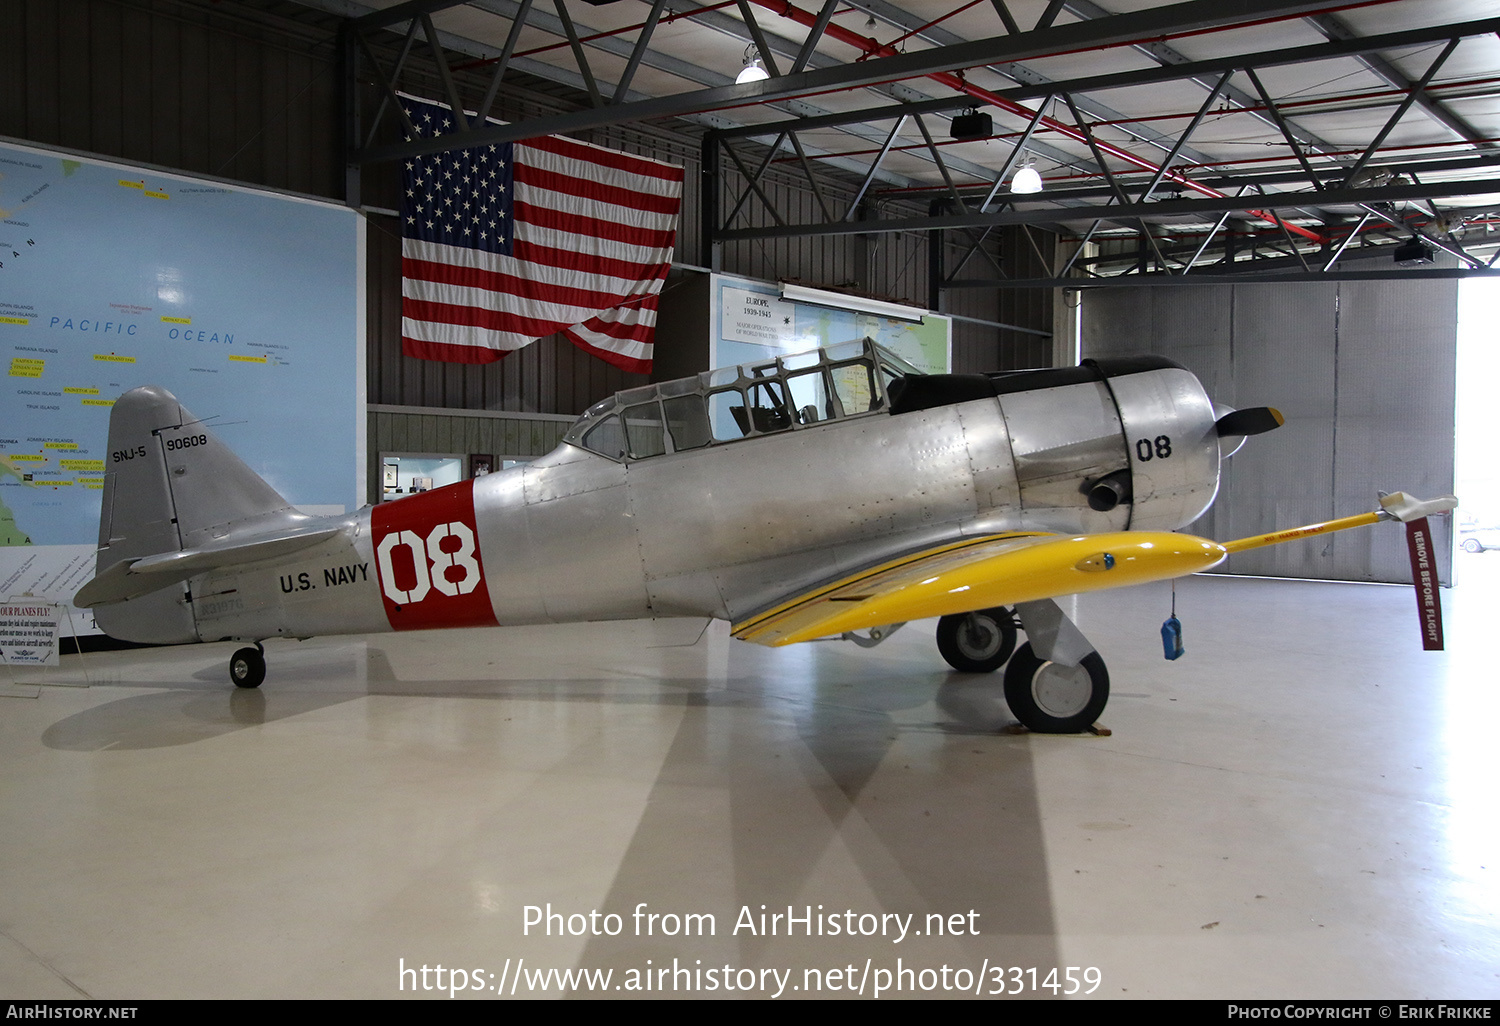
[
  {"x": 1333, "y": 27},
  {"x": 762, "y": 44},
  {"x": 1114, "y": 185},
  {"x": 1267, "y": 58},
  {"x": 579, "y": 57},
  {"x": 1119, "y": 28},
  {"x": 1015, "y": 153},
  {"x": 937, "y": 159},
  {"x": 1213, "y": 233},
  {"x": 1208, "y": 103},
  {"x": 812, "y": 179},
  {"x": 1198, "y": 207},
  {"x": 874, "y": 167},
  {"x": 411, "y": 10},
  {"x": 753, "y": 182},
  {"x": 622, "y": 88},
  {"x": 1338, "y": 252},
  {"x": 1285, "y": 127},
  {"x": 1049, "y": 15},
  {"x": 502, "y": 63},
  {"x": 1006, "y": 18},
  {"x": 1402, "y": 107},
  {"x": 1082, "y": 244},
  {"x": 445, "y": 73},
  {"x": 389, "y": 95},
  {"x": 810, "y": 44}
]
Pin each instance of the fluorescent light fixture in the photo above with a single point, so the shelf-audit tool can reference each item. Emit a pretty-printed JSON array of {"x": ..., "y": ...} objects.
[
  {"x": 858, "y": 304},
  {"x": 1026, "y": 181}
]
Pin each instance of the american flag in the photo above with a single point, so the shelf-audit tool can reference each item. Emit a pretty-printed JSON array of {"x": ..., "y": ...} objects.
[{"x": 508, "y": 243}]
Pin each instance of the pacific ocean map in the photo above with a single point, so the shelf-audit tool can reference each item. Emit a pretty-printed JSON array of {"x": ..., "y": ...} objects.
[{"x": 238, "y": 301}]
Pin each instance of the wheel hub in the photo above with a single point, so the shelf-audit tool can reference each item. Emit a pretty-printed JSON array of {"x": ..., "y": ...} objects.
[
  {"x": 978, "y": 638},
  {"x": 1062, "y": 691}
]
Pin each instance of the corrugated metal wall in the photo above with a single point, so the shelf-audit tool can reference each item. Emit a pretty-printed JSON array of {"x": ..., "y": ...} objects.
[
  {"x": 243, "y": 91},
  {"x": 1364, "y": 373},
  {"x": 202, "y": 88},
  {"x": 977, "y": 349}
]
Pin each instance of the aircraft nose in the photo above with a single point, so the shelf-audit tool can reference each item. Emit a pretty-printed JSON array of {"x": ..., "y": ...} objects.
[{"x": 1234, "y": 426}]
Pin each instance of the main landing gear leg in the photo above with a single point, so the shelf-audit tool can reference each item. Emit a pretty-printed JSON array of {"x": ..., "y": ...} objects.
[
  {"x": 247, "y": 667},
  {"x": 1056, "y": 683}
]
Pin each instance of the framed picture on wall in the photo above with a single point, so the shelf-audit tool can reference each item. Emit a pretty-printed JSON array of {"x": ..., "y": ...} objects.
[{"x": 481, "y": 464}]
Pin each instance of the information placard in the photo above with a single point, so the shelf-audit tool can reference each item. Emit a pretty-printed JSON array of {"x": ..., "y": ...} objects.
[{"x": 28, "y": 632}]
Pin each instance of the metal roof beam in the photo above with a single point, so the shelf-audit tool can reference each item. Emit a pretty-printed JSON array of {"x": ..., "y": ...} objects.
[
  {"x": 1206, "y": 208},
  {"x": 1167, "y": 55},
  {"x": 1411, "y": 97},
  {"x": 622, "y": 88},
  {"x": 854, "y": 117},
  {"x": 403, "y": 12},
  {"x": 1022, "y": 74},
  {"x": 515, "y": 11},
  {"x": 1165, "y": 73},
  {"x": 1121, "y": 28},
  {"x": 1267, "y": 58},
  {"x": 1334, "y": 28},
  {"x": 1474, "y": 163},
  {"x": 769, "y": 43},
  {"x": 1246, "y": 277}
]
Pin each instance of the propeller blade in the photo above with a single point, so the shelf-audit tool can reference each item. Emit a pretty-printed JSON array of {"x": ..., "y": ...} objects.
[{"x": 1253, "y": 421}]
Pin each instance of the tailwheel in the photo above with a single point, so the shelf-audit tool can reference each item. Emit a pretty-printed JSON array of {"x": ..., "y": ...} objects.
[
  {"x": 1050, "y": 698},
  {"x": 977, "y": 642},
  {"x": 247, "y": 668}
]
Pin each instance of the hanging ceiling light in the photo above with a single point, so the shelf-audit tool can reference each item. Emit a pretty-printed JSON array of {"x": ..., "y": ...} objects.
[
  {"x": 754, "y": 70},
  {"x": 1026, "y": 180}
]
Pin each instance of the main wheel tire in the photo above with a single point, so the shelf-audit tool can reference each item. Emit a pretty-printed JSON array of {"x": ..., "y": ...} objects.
[
  {"x": 1049, "y": 698},
  {"x": 977, "y": 642},
  {"x": 1472, "y": 545},
  {"x": 247, "y": 668}
]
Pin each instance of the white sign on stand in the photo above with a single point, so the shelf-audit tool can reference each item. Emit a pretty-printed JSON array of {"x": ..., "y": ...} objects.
[{"x": 28, "y": 632}]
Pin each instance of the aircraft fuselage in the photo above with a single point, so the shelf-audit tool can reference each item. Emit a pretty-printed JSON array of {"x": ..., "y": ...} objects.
[{"x": 673, "y": 517}]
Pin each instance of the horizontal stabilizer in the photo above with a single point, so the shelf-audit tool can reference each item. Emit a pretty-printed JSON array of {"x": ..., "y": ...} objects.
[{"x": 132, "y": 578}]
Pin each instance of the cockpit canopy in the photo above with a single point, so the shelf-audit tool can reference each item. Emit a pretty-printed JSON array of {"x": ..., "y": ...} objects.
[{"x": 727, "y": 405}]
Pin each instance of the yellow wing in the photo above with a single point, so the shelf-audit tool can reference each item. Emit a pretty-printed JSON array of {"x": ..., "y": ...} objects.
[
  {"x": 980, "y": 573},
  {"x": 1003, "y": 569}
]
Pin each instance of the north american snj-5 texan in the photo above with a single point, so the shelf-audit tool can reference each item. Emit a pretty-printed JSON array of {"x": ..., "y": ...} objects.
[{"x": 812, "y": 496}]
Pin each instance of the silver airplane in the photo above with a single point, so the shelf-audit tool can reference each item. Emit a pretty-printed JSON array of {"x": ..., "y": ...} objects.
[{"x": 837, "y": 493}]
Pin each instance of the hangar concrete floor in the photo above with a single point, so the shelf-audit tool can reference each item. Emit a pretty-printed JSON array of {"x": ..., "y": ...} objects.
[{"x": 1303, "y": 806}]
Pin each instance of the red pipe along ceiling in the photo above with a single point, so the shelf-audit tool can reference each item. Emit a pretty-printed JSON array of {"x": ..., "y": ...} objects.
[{"x": 869, "y": 47}]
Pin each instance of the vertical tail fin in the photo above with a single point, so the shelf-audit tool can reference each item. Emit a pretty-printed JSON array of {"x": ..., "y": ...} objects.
[{"x": 169, "y": 484}]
